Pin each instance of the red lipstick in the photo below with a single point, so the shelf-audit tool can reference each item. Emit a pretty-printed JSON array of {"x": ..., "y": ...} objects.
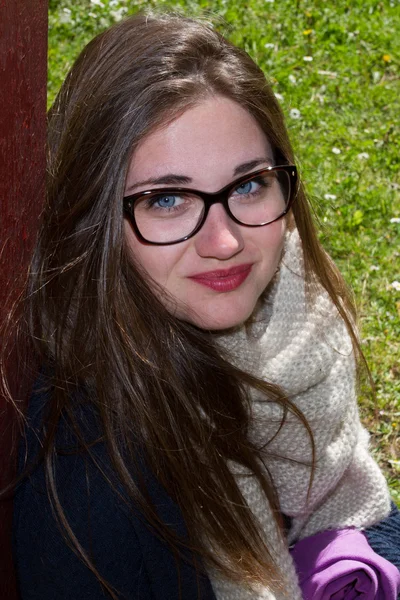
[{"x": 223, "y": 280}]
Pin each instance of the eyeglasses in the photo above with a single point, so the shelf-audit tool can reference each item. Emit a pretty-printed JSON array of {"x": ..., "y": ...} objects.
[{"x": 171, "y": 215}]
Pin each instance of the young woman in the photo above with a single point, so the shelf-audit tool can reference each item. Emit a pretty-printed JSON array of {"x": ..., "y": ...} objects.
[{"x": 195, "y": 414}]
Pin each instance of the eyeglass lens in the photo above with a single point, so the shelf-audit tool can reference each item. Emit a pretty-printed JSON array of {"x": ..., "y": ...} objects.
[{"x": 174, "y": 215}]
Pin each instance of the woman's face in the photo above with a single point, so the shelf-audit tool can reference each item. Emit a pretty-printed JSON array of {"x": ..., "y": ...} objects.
[{"x": 215, "y": 278}]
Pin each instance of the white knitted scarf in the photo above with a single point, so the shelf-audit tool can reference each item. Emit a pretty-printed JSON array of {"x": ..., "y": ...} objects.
[{"x": 303, "y": 346}]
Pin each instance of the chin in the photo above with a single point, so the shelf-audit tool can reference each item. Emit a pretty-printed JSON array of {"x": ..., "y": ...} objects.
[{"x": 221, "y": 322}]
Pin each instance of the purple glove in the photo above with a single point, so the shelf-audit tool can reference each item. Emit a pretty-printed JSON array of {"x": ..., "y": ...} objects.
[{"x": 341, "y": 565}]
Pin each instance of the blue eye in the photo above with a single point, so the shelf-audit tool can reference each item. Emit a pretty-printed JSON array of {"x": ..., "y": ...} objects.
[
  {"x": 166, "y": 201},
  {"x": 247, "y": 188}
]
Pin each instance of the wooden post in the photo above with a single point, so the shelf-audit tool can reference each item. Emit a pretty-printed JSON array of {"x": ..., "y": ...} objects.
[{"x": 23, "y": 74}]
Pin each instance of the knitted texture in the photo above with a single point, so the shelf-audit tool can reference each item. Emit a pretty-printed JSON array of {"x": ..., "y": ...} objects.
[{"x": 303, "y": 346}]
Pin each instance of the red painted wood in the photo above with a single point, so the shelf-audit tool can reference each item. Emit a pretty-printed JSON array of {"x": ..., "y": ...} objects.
[{"x": 23, "y": 73}]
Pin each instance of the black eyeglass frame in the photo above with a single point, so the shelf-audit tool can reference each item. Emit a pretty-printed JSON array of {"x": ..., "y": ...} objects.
[{"x": 221, "y": 197}]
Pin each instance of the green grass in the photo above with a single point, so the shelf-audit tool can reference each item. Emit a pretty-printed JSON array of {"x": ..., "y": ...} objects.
[{"x": 342, "y": 111}]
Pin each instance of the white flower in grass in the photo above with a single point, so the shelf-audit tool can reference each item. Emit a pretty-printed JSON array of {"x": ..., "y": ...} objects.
[
  {"x": 269, "y": 45},
  {"x": 118, "y": 14},
  {"x": 292, "y": 79},
  {"x": 97, "y": 3},
  {"x": 278, "y": 96},
  {"x": 330, "y": 74},
  {"x": 395, "y": 285},
  {"x": 330, "y": 197},
  {"x": 353, "y": 34},
  {"x": 308, "y": 58},
  {"x": 295, "y": 113},
  {"x": 374, "y": 268},
  {"x": 363, "y": 156},
  {"x": 395, "y": 220},
  {"x": 376, "y": 76},
  {"x": 269, "y": 1},
  {"x": 336, "y": 150},
  {"x": 65, "y": 16}
]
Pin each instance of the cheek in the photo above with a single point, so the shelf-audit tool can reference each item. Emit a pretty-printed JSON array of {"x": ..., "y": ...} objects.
[
  {"x": 271, "y": 241},
  {"x": 157, "y": 261}
]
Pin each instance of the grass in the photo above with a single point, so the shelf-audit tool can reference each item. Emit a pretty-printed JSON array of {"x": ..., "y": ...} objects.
[{"x": 334, "y": 65}]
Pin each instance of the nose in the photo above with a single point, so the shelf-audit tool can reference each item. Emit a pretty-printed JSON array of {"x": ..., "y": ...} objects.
[{"x": 220, "y": 237}]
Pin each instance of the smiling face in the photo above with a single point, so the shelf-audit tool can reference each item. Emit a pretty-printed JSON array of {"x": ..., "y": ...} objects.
[{"x": 215, "y": 278}]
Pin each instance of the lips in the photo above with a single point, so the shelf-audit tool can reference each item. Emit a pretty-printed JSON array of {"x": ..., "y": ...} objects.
[{"x": 223, "y": 280}]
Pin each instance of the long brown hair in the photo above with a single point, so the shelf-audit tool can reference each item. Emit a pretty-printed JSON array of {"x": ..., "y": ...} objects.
[{"x": 154, "y": 382}]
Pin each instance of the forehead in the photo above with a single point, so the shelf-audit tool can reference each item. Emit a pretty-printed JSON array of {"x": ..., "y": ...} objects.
[{"x": 205, "y": 144}]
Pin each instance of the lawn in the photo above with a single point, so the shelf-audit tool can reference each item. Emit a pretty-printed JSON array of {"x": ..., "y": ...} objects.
[{"x": 334, "y": 66}]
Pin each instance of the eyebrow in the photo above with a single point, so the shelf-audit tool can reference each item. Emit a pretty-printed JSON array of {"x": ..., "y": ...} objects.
[
  {"x": 168, "y": 179},
  {"x": 252, "y": 164},
  {"x": 174, "y": 179}
]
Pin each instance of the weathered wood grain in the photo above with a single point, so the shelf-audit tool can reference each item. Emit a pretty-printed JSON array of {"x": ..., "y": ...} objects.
[{"x": 23, "y": 72}]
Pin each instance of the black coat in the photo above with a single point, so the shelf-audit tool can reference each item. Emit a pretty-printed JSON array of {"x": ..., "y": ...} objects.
[{"x": 124, "y": 549}]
